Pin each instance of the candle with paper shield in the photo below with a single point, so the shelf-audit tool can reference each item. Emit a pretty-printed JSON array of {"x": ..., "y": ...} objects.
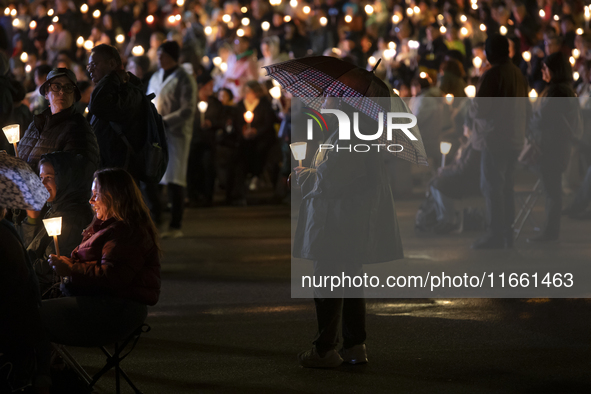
[
  {"x": 12, "y": 133},
  {"x": 54, "y": 228},
  {"x": 444, "y": 148},
  {"x": 202, "y": 108},
  {"x": 299, "y": 151}
]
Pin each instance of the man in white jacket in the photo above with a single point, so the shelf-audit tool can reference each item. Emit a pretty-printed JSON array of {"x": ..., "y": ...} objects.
[{"x": 176, "y": 100}]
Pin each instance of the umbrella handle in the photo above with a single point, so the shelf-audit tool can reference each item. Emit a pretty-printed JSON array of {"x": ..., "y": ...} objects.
[{"x": 376, "y": 66}]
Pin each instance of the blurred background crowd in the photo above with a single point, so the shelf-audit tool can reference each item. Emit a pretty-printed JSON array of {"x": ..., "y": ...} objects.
[{"x": 427, "y": 48}]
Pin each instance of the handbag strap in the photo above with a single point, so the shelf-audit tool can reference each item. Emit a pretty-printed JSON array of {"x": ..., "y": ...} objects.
[{"x": 117, "y": 128}]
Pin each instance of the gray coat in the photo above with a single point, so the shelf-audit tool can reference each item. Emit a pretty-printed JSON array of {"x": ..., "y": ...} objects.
[
  {"x": 176, "y": 101},
  {"x": 347, "y": 212}
]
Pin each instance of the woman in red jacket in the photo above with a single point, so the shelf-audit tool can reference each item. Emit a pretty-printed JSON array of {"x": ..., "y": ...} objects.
[{"x": 113, "y": 274}]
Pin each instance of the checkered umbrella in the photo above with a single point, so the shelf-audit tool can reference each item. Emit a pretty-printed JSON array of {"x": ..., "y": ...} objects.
[{"x": 313, "y": 78}]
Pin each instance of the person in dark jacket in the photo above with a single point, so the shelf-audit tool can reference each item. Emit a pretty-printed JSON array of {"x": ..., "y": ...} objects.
[
  {"x": 60, "y": 127},
  {"x": 347, "y": 218},
  {"x": 67, "y": 178},
  {"x": 499, "y": 132},
  {"x": 116, "y": 100},
  {"x": 113, "y": 275},
  {"x": 202, "y": 157},
  {"x": 555, "y": 124},
  {"x": 259, "y": 137}
]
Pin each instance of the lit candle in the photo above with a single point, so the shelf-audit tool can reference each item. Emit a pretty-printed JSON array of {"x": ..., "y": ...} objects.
[
  {"x": 96, "y": 14},
  {"x": 470, "y": 90},
  {"x": 368, "y": 9},
  {"x": 54, "y": 228},
  {"x": 248, "y": 116},
  {"x": 449, "y": 98},
  {"x": 299, "y": 151},
  {"x": 477, "y": 62},
  {"x": 13, "y": 135},
  {"x": 533, "y": 95},
  {"x": 245, "y": 21},
  {"x": 323, "y": 21},
  {"x": 150, "y": 19},
  {"x": 275, "y": 92},
  {"x": 80, "y": 42},
  {"x": 202, "y": 108},
  {"x": 84, "y": 8},
  {"x": 526, "y": 56},
  {"x": 24, "y": 57},
  {"x": 444, "y": 148},
  {"x": 120, "y": 38},
  {"x": 348, "y": 18},
  {"x": 88, "y": 45},
  {"x": 265, "y": 26}
]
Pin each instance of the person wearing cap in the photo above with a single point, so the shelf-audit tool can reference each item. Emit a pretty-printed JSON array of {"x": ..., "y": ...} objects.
[
  {"x": 60, "y": 127},
  {"x": 176, "y": 101}
]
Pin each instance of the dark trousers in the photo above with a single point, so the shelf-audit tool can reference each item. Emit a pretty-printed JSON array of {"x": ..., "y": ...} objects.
[
  {"x": 496, "y": 184},
  {"x": 201, "y": 174},
  {"x": 176, "y": 197},
  {"x": 342, "y": 307},
  {"x": 552, "y": 182},
  {"x": 583, "y": 196}
]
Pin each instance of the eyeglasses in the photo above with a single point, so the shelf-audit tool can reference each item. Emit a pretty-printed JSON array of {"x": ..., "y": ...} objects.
[{"x": 56, "y": 87}]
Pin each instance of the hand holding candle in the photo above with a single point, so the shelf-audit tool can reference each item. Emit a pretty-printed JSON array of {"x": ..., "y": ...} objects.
[
  {"x": 299, "y": 151},
  {"x": 13, "y": 135}
]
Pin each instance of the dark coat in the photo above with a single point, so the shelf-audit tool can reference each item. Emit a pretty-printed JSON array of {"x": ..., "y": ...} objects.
[
  {"x": 116, "y": 260},
  {"x": 499, "y": 112},
  {"x": 20, "y": 324},
  {"x": 66, "y": 131},
  {"x": 73, "y": 180},
  {"x": 555, "y": 123},
  {"x": 121, "y": 103},
  {"x": 347, "y": 212}
]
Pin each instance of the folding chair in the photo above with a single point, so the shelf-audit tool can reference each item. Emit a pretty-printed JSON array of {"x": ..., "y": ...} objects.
[
  {"x": 112, "y": 361},
  {"x": 528, "y": 205}
]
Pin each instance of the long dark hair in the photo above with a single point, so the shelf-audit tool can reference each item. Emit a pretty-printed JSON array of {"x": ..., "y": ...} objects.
[{"x": 124, "y": 201}]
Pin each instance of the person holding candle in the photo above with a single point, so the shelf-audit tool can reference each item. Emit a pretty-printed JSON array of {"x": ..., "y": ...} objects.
[
  {"x": 202, "y": 157},
  {"x": 347, "y": 218},
  {"x": 60, "y": 127},
  {"x": 67, "y": 178},
  {"x": 114, "y": 274},
  {"x": 258, "y": 135}
]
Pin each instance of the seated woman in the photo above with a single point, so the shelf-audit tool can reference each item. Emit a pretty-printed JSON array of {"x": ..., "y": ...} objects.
[
  {"x": 113, "y": 274},
  {"x": 67, "y": 178}
]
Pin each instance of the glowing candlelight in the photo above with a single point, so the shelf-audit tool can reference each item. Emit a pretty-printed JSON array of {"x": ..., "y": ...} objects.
[
  {"x": 202, "y": 106},
  {"x": 54, "y": 228},
  {"x": 348, "y": 18},
  {"x": 84, "y": 8},
  {"x": 442, "y": 29},
  {"x": 542, "y": 14},
  {"x": 32, "y": 25},
  {"x": 526, "y": 56},
  {"x": 482, "y": 27},
  {"x": 503, "y": 30},
  {"x": 120, "y": 38},
  {"x": 245, "y": 21},
  {"x": 96, "y": 14},
  {"x": 533, "y": 95},
  {"x": 368, "y": 9},
  {"x": 226, "y": 18},
  {"x": 224, "y": 67},
  {"x": 88, "y": 45},
  {"x": 150, "y": 19},
  {"x": 275, "y": 92},
  {"x": 323, "y": 21},
  {"x": 449, "y": 98},
  {"x": 306, "y": 10},
  {"x": 137, "y": 50},
  {"x": 265, "y": 26},
  {"x": 444, "y": 148},
  {"x": 470, "y": 91},
  {"x": 248, "y": 116},
  {"x": 477, "y": 62},
  {"x": 24, "y": 57},
  {"x": 12, "y": 133},
  {"x": 299, "y": 151}
]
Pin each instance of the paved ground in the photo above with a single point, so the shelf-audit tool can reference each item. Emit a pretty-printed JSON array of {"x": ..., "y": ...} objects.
[{"x": 226, "y": 322}]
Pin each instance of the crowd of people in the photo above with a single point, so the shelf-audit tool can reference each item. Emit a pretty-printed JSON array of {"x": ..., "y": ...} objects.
[{"x": 80, "y": 79}]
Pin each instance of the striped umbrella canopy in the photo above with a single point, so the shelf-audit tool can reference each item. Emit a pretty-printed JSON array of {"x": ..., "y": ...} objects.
[{"x": 313, "y": 78}]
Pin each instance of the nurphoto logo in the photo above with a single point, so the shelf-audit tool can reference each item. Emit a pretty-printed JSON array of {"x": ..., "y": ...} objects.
[{"x": 345, "y": 129}]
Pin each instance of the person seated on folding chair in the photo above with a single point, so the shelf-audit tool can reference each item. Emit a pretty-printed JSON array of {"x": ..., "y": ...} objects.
[
  {"x": 67, "y": 177},
  {"x": 452, "y": 182},
  {"x": 112, "y": 276}
]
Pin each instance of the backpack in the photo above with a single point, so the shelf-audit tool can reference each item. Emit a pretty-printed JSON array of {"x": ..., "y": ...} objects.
[{"x": 149, "y": 162}]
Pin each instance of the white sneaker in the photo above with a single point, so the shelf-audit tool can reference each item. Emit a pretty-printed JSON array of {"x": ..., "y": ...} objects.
[
  {"x": 354, "y": 355},
  {"x": 172, "y": 233}
]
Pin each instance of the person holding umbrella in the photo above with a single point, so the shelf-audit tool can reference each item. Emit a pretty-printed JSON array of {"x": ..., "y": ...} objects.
[{"x": 347, "y": 217}]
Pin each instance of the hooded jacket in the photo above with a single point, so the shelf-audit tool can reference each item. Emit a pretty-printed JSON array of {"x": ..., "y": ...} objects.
[
  {"x": 65, "y": 131},
  {"x": 120, "y": 103},
  {"x": 73, "y": 177}
]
